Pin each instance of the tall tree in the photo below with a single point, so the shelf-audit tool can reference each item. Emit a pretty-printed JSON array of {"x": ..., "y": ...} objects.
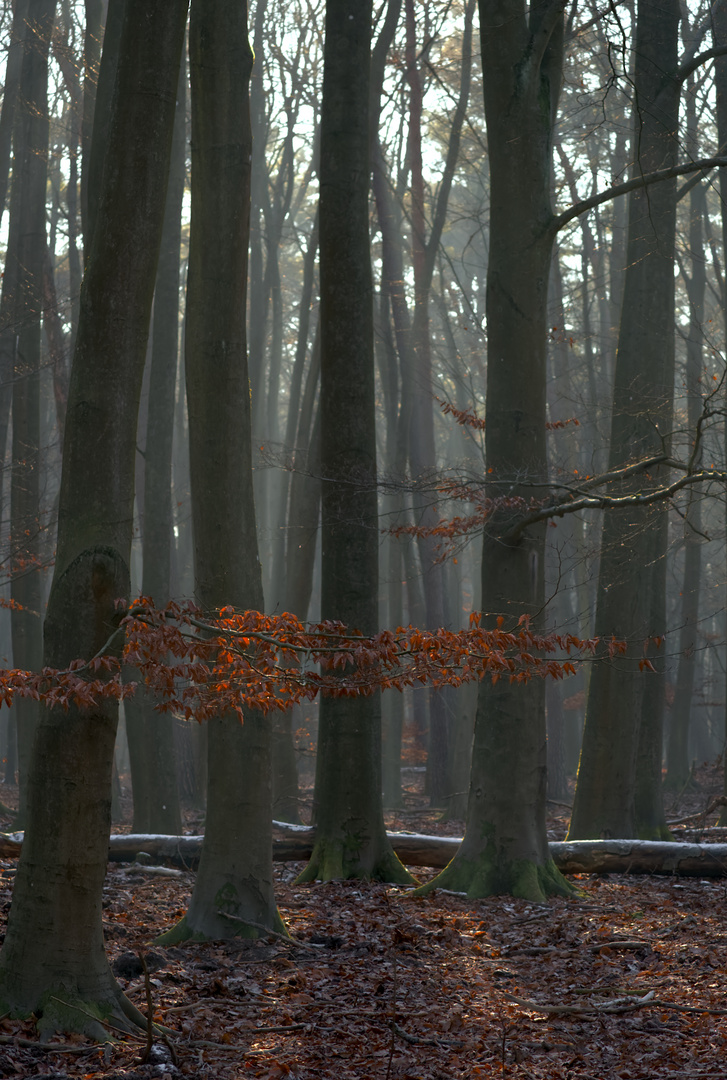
[
  {"x": 625, "y": 705},
  {"x": 151, "y": 734},
  {"x": 233, "y": 891},
  {"x": 421, "y": 443},
  {"x": 22, "y": 302},
  {"x": 350, "y": 838},
  {"x": 53, "y": 962},
  {"x": 505, "y": 848}
]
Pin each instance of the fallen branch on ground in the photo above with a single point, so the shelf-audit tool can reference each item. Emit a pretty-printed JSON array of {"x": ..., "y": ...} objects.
[{"x": 293, "y": 843}]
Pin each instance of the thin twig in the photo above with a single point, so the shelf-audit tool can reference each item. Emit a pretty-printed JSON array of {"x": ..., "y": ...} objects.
[
  {"x": 719, "y": 800},
  {"x": 267, "y": 931},
  {"x": 106, "y": 1023},
  {"x": 417, "y": 1040},
  {"x": 611, "y": 1008}
]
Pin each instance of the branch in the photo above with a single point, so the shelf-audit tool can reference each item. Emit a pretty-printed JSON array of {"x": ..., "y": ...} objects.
[
  {"x": 690, "y": 66},
  {"x": 582, "y": 207},
  {"x": 610, "y": 502}
]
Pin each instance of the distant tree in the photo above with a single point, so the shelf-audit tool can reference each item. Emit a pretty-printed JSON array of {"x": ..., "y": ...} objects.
[
  {"x": 351, "y": 838},
  {"x": 233, "y": 891},
  {"x": 625, "y": 708},
  {"x": 151, "y": 736},
  {"x": 21, "y": 310}
]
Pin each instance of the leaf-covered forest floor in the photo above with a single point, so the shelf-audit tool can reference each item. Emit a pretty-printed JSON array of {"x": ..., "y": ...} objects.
[{"x": 627, "y": 981}]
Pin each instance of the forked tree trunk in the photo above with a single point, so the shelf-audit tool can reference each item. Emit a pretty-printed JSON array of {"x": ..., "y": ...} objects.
[
  {"x": 505, "y": 848},
  {"x": 351, "y": 838},
  {"x": 233, "y": 893},
  {"x": 53, "y": 962}
]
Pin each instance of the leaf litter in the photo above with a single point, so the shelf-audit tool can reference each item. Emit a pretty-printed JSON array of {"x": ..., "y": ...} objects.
[{"x": 627, "y": 981}]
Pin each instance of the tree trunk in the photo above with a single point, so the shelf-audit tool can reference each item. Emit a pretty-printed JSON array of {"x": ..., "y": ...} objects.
[
  {"x": 351, "y": 839},
  {"x": 422, "y": 451},
  {"x": 631, "y": 589},
  {"x": 235, "y": 881},
  {"x": 52, "y": 962},
  {"x": 10, "y": 94},
  {"x": 103, "y": 94},
  {"x": 24, "y": 268},
  {"x": 94, "y": 35},
  {"x": 150, "y": 733},
  {"x": 505, "y": 849},
  {"x": 677, "y": 761},
  {"x": 719, "y": 33}
]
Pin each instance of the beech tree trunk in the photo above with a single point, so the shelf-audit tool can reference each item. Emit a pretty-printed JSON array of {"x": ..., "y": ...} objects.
[
  {"x": 10, "y": 94},
  {"x": 719, "y": 32},
  {"x": 677, "y": 758},
  {"x": 150, "y": 733},
  {"x": 235, "y": 880},
  {"x": 351, "y": 838},
  {"x": 505, "y": 849},
  {"x": 625, "y": 704},
  {"x": 23, "y": 305},
  {"x": 53, "y": 962}
]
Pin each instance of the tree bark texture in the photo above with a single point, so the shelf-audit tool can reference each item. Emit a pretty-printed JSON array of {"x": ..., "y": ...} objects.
[
  {"x": 505, "y": 848},
  {"x": 150, "y": 733},
  {"x": 351, "y": 839},
  {"x": 53, "y": 962},
  {"x": 719, "y": 35},
  {"x": 235, "y": 877},
  {"x": 625, "y": 705},
  {"x": 23, "y": 306}
]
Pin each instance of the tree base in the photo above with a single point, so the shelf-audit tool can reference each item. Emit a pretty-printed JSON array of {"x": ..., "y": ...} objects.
[
  {"x": 339, "y": 860},
  {"x": 60, "y": 1011},
  {"x": 654, "y": 832},
  {"x": 232, "y": 927},
  {"x": 483, "y": 876}
]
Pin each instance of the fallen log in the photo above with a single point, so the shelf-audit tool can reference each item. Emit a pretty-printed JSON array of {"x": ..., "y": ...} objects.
[{"x": 295, "y": 843}]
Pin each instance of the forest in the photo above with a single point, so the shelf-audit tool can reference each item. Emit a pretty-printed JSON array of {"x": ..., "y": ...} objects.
[{"x": 363, "y": 588}]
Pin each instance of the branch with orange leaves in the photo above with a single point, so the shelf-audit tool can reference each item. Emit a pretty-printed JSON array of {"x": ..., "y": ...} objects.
[{"x": 199, "y": 664}]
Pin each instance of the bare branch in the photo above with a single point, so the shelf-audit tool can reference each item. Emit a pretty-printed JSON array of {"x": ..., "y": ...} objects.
[
  {"x": 615, "y": 192},
  {"x": 696, "y": 61}
]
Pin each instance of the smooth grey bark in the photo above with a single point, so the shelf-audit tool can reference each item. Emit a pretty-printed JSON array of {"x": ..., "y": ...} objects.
[
  {"x": 677, "y": 757},
  {"x": 719, "y": 36},
  {"x": 102, "y": 104},
  {"x": 235, "y": 880},
  {"x": 351, "y": 839},
  {"x": 10, "y": 94},
  {"x": 392, "y": 704},
  {"x": 53, "y": 962},
  {"x": 625, "y": 705},
  {"x": 259, "y": 124},
  {"x": 285, "y": 773},
  {"x": 421, "y": 443},
  {"x": 505, "y": 848},
  {"x": 24, "y": 268},
  {"x": 93, "y": 38},
  {"x": 150, "y": 733}
]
